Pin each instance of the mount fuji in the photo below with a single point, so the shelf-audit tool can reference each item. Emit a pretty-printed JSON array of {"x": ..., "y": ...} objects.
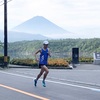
[
  {"x": 42, "y": 26},
  {"x": 36, "y": 28}
]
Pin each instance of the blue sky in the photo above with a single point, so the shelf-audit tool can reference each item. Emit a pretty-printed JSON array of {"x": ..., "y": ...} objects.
[{"x": 78, "y": 16}]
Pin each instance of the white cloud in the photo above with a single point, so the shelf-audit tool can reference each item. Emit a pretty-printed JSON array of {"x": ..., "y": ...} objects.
[{"x": 73, "y": 15}]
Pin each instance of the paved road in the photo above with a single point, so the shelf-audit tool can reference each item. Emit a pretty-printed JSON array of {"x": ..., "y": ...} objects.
[{"x": 77, "y": 84}]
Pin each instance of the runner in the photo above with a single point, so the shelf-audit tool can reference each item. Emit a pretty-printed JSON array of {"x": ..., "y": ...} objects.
[{"x": 43, "y": 61}]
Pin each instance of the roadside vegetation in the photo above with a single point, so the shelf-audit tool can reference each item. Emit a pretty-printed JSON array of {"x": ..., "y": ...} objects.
[
  {"x": 53, "y": 62},
  {"x": 22, "y": 52}
]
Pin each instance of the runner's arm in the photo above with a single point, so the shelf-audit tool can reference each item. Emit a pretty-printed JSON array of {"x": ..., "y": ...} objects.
[
  {"x": 49, "y": 53},
  {"x": 36, "y": 55}
]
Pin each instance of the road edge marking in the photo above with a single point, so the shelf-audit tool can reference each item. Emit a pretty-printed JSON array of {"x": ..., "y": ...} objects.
[{"x": 23, "y": 92}]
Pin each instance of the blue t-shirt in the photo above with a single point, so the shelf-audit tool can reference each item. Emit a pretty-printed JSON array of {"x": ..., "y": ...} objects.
[{"x": 43, "y": 57}]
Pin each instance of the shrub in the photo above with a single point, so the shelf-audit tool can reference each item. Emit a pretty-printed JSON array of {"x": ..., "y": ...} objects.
[
  {"x": 26, "y": 62},
  {"x": 52, "y": 62},
  {"x": 85, "y": 59},
  {"x": 30, "y": 62},
  {"x": 58, "y": 62}
]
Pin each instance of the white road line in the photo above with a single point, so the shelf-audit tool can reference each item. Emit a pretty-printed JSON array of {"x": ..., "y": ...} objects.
[
  {"x": 80, "y": 82},
  {"x": 17, "y": 75},
  {"x": 79, "y": 86},
  {"x": 62, "y": 83}
]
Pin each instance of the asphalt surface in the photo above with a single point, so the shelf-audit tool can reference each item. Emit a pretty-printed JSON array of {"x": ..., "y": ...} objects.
[{"x": 80, "y": 83}]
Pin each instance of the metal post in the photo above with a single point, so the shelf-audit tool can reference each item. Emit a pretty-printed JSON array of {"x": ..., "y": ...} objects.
[{"x": 5, "y": 33}]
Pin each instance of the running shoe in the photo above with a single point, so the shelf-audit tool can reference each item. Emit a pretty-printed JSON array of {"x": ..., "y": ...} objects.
[
  {"x": 43, "y": 82},
  {"x": 35, "y": 82}
]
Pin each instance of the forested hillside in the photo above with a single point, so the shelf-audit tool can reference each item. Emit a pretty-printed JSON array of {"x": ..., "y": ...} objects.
[{"x": 59, "y": 48}]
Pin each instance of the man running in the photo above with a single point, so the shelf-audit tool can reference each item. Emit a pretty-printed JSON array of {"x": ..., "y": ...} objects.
[{"x": 43, "y": 61}]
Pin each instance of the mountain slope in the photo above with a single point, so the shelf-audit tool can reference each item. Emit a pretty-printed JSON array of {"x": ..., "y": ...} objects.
[
  {"x": 40, "y": 25},
  {"x": 20, "y": 36},
  {"x": 59, "y": 48}
]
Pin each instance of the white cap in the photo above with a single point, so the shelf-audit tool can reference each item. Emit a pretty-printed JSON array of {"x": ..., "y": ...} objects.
[{"x": 45, "y": 42}]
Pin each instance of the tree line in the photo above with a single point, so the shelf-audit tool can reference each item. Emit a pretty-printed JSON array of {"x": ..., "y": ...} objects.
[{"x": 61, "y": 48}]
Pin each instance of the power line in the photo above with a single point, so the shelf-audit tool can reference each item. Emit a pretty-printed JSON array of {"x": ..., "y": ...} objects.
[
  {"x": 3, "y": 3},
  {"x": 9, "y": 1}
]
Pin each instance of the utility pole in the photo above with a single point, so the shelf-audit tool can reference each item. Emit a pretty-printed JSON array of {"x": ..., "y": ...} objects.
[{"x": 5, "y": 34}]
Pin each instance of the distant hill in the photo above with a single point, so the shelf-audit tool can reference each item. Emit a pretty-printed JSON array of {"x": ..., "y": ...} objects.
[
  {"x": 21, "y": 36},
  {"x": 59, "y": 48},
  {"x": 41, "y": 25}
]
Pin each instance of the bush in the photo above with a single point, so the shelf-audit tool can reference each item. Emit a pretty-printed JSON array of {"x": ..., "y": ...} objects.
[
  {"x": 81, "y": 59},
  {"x": 58, "y": 62},
  {"x": 30, "y": 62},
  {"x": 85, "y": 59},
  {"x": 26, "y": 62},
  {"x": 52, "y": 62}
]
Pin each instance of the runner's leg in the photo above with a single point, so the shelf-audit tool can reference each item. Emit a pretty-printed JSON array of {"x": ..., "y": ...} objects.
[
  {"x": 41, "y": 72},
  {"x": 45, "y": 75},
  {"x": 46, "y": 72}
]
